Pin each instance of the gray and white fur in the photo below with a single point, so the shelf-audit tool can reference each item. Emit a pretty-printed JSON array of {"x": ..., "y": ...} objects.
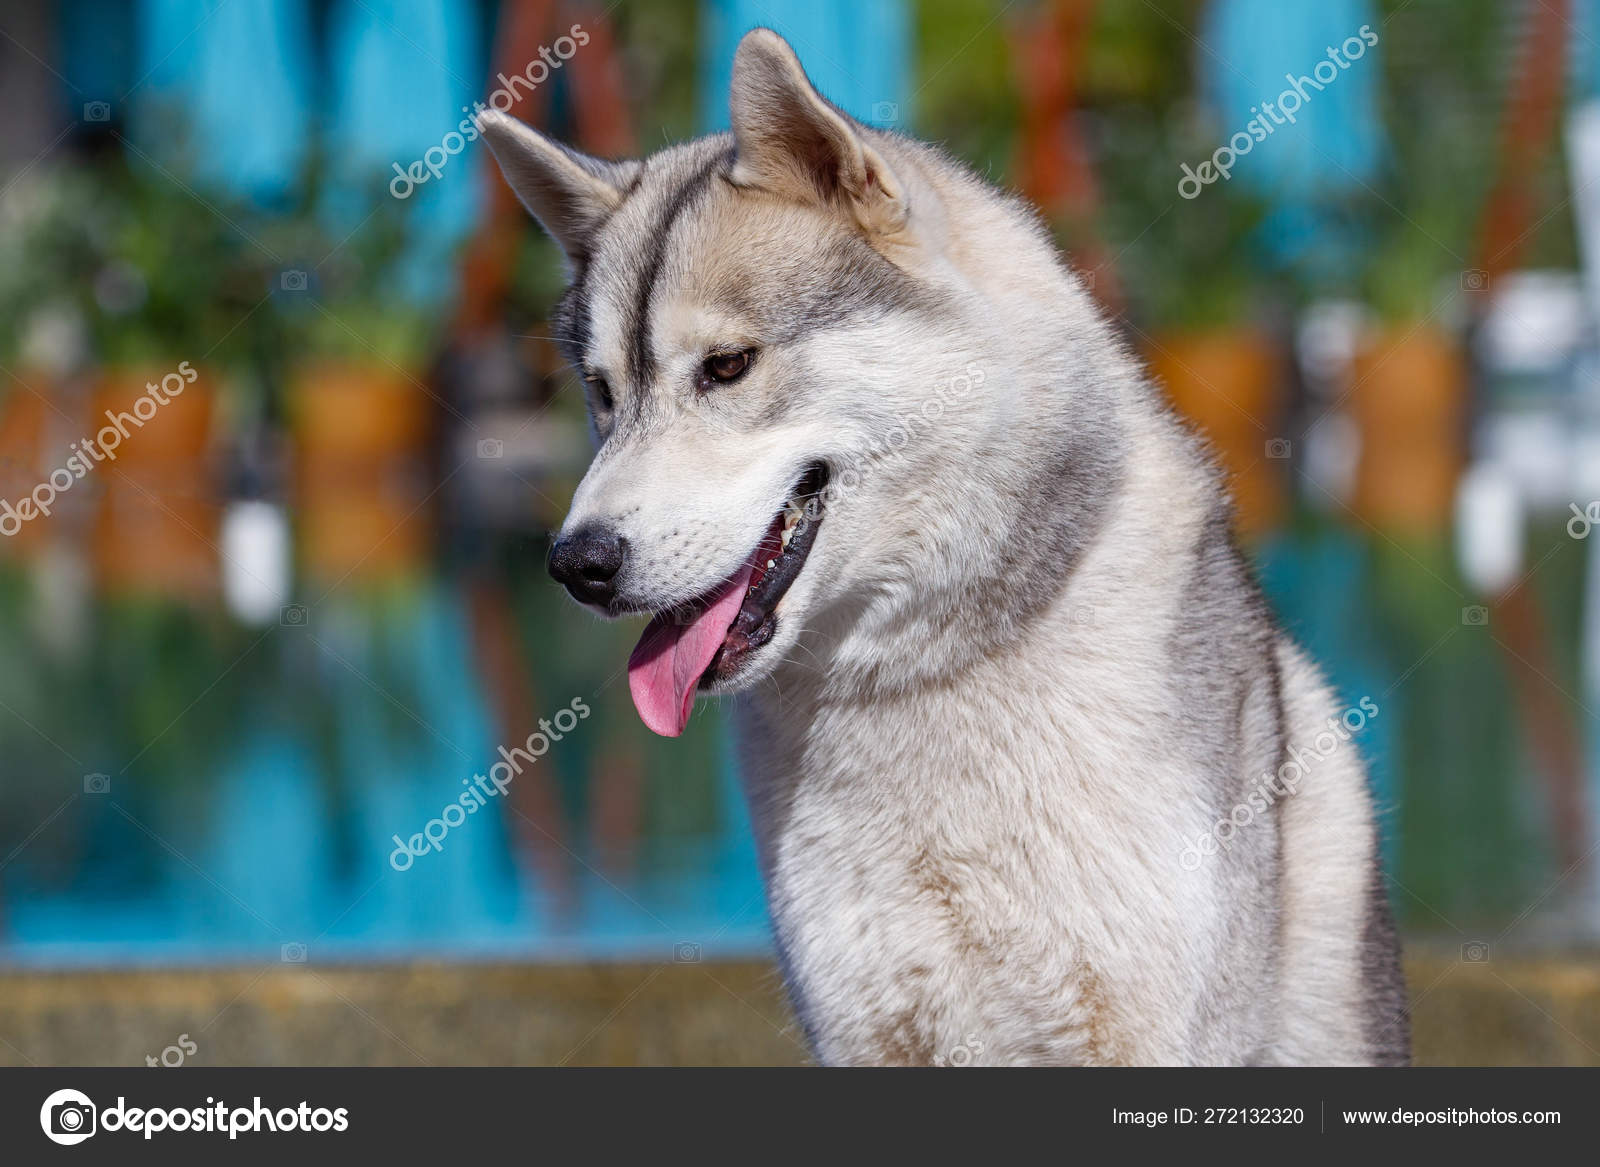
[{"x": 1023, "y": 667}]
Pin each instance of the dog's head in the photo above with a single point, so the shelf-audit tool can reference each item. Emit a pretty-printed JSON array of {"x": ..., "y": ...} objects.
[{"x": 770, "y": 334}]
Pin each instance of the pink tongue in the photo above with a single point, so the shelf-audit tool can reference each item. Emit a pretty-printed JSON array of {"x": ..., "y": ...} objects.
[{"x": 670, "y": 658}]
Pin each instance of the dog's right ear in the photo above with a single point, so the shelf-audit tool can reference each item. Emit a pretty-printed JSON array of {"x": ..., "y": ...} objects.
[
  {"x": 571, "y": 194},
  {"x": 792, "y": 141}
]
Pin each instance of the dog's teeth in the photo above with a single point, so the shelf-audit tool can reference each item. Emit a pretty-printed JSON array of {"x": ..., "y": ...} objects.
[
  {"x": 771, "y": 563},
  {"x": 788, "y": 533}
]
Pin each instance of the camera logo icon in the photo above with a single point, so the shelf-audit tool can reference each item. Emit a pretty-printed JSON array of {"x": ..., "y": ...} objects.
[
  {"x": 68, "y": 1117},
  {"x": 293, "y": 616},
  {"x": 491, "y": 448},
  {"x": 97, "y": 111},
  {"x": 886, "y": 113},
  {"x": 962, "y": 1055},
  {"x": 292, "y": 281},
  {"x": 293, "y": 953},
  {"x": 1475, "y": 952},
  {"x": 97, "y": 784},
  {"x": 685, "y": 953},
  {"x": 1475, "y": 616},
  {"x": 1279, "y": 448},
  {"x": 1474, "y": 280}
]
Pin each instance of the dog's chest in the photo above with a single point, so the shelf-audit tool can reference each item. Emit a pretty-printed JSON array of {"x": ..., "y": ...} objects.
[{"x": 933, "y": 887}]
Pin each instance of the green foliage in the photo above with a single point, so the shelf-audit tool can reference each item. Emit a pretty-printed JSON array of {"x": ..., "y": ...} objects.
[
  {"x": 966, "y": 97},
  {"x": 156, "y": 270},
  {"x": 1472, "y": 848},
  {"x": 660, "y": 45},
  {"x": 1141, "y": 54},
  {"x": 1187, "y": 264},
  {"x": 1446, "y": 68}
]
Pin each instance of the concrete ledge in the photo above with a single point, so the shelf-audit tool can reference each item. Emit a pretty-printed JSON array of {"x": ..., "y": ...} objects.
[
  {"x": 443, "y": 1015},
  {"x": 1508, "y": 1012},
  {"x": 1505, "y": 1012}
]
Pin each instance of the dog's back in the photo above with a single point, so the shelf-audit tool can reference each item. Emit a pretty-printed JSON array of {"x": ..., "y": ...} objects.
[{"x": 1343, "y": 990}]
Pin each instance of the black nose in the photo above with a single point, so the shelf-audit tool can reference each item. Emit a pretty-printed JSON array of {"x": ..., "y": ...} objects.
[{"x": 588, "y": 561}]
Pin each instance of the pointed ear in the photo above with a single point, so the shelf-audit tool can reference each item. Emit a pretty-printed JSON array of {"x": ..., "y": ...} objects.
[
  {"x": 792, "y": 141},
  {"x": 570, "y": 193}
]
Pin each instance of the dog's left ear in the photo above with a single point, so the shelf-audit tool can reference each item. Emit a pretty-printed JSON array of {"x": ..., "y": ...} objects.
[
  {"x": 792, "y": 141},
  {"x": 570, "y": 193}
]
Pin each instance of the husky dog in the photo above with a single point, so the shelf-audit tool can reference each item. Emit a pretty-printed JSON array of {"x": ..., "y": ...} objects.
[{"x": 873, "y": 460}]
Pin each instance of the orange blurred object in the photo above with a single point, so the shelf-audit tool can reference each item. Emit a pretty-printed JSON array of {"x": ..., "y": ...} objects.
[
  {"x": 361, "y": 434},
  {"x": 156, "y": 525},
  {"x": 1408, "y": 400},
  {"x": 1229, "y": 383},
  {"x": 22, "y": 436},
  {"x": 161, "y": 415},
  {"x": 358, "y": 411}
]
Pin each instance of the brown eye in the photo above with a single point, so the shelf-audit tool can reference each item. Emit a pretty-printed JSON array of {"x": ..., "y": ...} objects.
[
  {"x": 602, "y": 391},
  {"x": 725, "y": 367}
]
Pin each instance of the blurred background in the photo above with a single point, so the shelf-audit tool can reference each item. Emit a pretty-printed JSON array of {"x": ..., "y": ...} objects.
[{"x": 283, "y": 436}]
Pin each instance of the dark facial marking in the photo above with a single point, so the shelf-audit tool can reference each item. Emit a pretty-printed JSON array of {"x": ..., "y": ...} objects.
[
  {"x": 643, "y": 359},
  {"x": 571, "y": 319},
  {"x": 858, "y": 282}
]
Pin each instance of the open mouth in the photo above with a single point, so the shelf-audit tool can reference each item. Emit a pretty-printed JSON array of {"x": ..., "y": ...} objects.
[{"x": 708, "y": 640}]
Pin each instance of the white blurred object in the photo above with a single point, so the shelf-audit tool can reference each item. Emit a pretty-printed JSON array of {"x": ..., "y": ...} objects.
[
  {"x": 1327, "y": 337},
  {"x": 1586, "y": 466},
  {"x": 255, "y": 560},
  {"x": 1332, "y": 451},
  {"x": 1536, "y": 450},
  {"x": 54, "y": 339},
  {"x": 62, "y": 589},
  {"x": 1536, "y": 322},
  {"x": 1489, "y": 522},
  {"x": 1583, "y": 156},
  {"x": 1583, "y": 161}
]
